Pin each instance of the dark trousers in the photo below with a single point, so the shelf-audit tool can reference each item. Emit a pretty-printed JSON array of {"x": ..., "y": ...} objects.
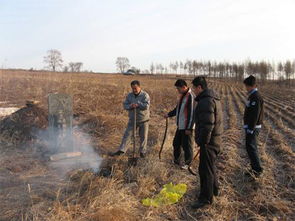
[
  {"x": 251, "y": 147},
  {"x": 181, "y": 140},
  {"x": 207, "y": 172}
]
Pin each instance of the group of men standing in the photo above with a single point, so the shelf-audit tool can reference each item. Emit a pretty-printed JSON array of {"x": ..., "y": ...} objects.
[{"x": 199, "y": 121}]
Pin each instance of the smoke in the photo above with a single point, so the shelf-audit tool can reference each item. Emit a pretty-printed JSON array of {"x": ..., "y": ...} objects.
[{"x": 69, "y": 150}]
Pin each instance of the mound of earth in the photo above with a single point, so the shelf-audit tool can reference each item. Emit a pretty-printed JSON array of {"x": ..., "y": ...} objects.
[{"x": 21, "y": 126}]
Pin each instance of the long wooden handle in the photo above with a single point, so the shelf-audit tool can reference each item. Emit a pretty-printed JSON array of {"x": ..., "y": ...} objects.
[
  {"x": 164, "y": 139},
  {"x": 189, "y": 166},
  {"x": 134, "y": 133}
]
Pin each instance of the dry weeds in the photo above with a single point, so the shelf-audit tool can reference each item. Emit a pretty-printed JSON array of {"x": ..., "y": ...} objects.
[{"x": 29, "y": 189}]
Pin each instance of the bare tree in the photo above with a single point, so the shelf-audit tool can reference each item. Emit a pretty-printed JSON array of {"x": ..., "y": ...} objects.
[
  {"x": 166, "y": 70},
  {"x": 288, "y": 71},
  {"x": 79, "y": 66},
  {"x": 171, "y": 67},
  {"x": 122, "y": 64},
  {"x": 209, "y": 68},
  {"x": 152, "y": 68},
  {"x": 272, "y": 69},
  {"x": 263, "y": 70},
  {"x": 53, "y": 59},
  {"x": 188, "y": 66},
  {"x": 195, "y": 67},
  {"x": 160, "y": 68},
  {"x": 174, "y": 66},
  {"x": 293, "y": 71},
  {"x": 181, "y": 67},
  {"x": 241, "y": 71},
  {"x": 72, "y": 66},
  {"x": 75, "y": 66},
  {"x": 66, "y": 69},
  {"x": 280, "y": 70}
]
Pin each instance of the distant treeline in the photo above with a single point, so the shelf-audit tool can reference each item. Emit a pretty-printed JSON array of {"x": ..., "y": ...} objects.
[{"x": 261, "y": 69}]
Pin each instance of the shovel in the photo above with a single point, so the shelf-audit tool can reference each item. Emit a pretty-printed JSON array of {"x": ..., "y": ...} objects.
[
  {"x": 132, "y": 161},
  {"x": 190, "y": 166},
  {"x": 164, "y": 139}
]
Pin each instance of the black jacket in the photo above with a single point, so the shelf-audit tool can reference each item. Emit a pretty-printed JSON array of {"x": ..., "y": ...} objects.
[
  {"x": 208, "y": 119},
  {"x": 253, "y": 115}
]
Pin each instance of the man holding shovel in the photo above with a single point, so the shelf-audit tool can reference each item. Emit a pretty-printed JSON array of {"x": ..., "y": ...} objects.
[
  {"x": 137, "y": 102},
  {"x": 184, "y": 112}
]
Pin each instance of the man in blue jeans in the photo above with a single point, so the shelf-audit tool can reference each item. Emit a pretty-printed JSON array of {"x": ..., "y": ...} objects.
[{"x": 253, "y": 118}]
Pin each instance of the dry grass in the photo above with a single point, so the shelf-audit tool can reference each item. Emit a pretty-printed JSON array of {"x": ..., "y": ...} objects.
[{"x": 30, "y": 190}]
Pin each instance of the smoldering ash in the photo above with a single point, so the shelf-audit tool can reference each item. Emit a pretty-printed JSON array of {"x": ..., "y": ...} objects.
[{"x": 69, "y": 149}]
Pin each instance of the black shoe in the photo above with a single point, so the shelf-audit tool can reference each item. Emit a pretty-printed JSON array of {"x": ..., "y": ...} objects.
[
  {"x": 118, "y": 153},
  {"x": 175, "y": 162},
  {"x": 142, "y": 155},
  {"x": 253, "y": 173},
  {"x": 257, "y": 174},
  {"x": 200, "y": 204}
]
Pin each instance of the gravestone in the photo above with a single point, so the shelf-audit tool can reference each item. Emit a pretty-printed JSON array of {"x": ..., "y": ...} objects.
[{"x": 60, "y": 120}]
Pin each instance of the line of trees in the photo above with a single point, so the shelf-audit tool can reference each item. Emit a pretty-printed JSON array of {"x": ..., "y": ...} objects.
[
  {"x": 261, "y": 69},
  {"x": 54, "y": 62}
]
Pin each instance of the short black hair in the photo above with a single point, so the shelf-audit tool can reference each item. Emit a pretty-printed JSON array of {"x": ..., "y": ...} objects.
[
  {"x": 200, "y": 81},
  {"x": 250, "y": 81},
  {"x": 135, "y": 82},
  {"x": 180, "y": 83}
]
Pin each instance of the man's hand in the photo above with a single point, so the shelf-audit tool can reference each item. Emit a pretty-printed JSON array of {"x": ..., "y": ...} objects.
[
  {"x": 166, "y": 116},
  {"x": 133, "y": 106},
  {"x": 188, "y": 132},
  {"x": 248, "y": 131}
]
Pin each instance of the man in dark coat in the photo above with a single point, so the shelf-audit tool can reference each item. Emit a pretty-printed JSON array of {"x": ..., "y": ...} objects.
[
  {"x": 253, "y": 118},
  {"x": 208, "y": 131}
]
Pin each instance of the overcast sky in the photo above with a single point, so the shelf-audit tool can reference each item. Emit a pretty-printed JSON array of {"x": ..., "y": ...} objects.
[{"x": 96, "y": 32}]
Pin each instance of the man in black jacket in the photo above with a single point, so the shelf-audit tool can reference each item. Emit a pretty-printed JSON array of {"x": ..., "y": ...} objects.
[
  {"x": 253, "y": 118},
  {"x": 208, "y": 131}
]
